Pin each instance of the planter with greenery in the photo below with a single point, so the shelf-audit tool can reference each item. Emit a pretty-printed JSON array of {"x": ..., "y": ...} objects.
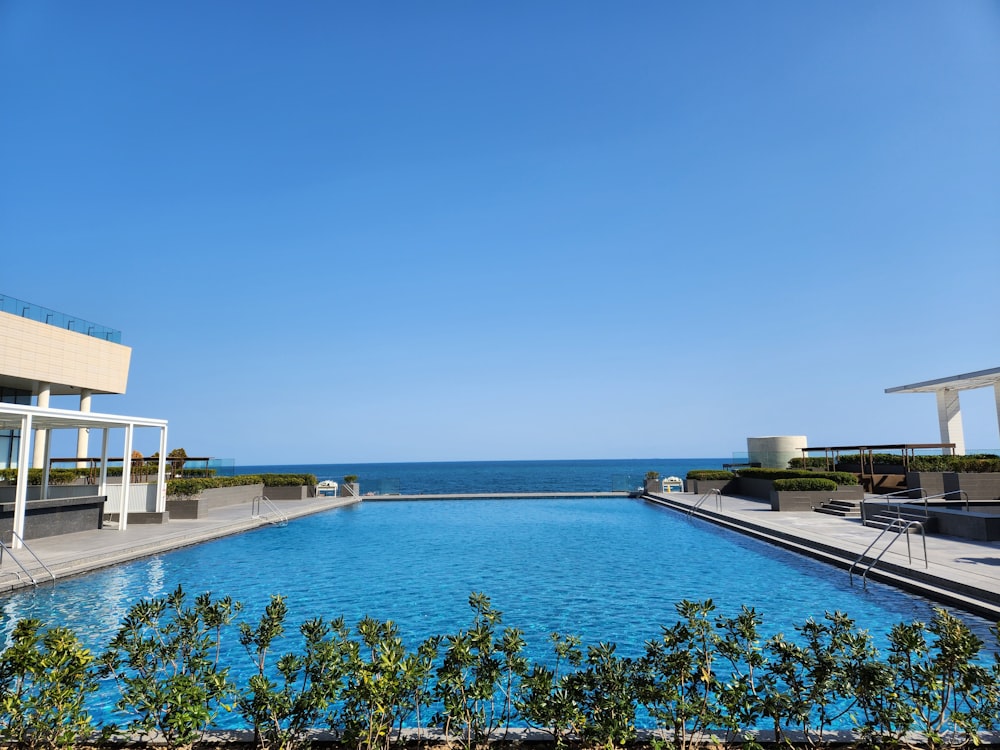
[
  {"x": 700, "y": 481},
  {"x": 349, "y": 487},
  {"x": 289, "y": 486},
  {"x": 652, "y": 482}
]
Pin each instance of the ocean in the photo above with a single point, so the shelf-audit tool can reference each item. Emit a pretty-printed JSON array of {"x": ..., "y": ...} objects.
[{"x": 451, "y": 477}]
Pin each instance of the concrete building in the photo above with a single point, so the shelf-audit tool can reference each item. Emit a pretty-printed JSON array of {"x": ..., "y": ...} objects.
[{"x": 45, "y": 353}]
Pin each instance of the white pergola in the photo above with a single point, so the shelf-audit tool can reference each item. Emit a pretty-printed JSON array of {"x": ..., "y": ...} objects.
[
  {"x": 28, "y": 419},
  {"x": 949, "y": 410}
]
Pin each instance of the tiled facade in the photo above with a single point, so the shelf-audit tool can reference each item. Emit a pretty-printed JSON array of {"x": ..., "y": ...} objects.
[{"x": 33, "y": 353}]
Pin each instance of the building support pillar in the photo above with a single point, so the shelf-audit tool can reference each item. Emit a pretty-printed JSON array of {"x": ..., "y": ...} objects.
[
  {"x": 83, "y": 434},
  {"x": 44, "y": 393},
  {"x": 950, "y": 420}
]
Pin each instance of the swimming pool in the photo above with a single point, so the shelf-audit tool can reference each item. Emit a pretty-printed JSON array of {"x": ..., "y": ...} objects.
[{"x": 603, "y": 569}]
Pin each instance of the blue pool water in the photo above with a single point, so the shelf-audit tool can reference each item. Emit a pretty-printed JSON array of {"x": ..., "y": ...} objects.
[
  {"x": 603, "y": 569},
  {"x": 607, "y": 570}
]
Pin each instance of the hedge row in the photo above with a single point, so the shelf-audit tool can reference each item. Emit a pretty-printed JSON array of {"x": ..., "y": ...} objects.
[
  {"x": 705, "y": 674},
  {"x": 839, "y": 477},
  {"x": 810, "y": 484},
  {"x": 707, "y": 474},
  {"x": 189, "y": 487},
  {"x": 975, "y": 463}
]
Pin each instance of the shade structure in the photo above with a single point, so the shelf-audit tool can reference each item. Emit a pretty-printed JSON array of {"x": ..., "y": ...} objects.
[{"x": 27, "y": 419}]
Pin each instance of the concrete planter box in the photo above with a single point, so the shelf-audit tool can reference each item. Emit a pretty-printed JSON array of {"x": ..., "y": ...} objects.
[
  {"x": 932, "y": 482},
  {"x": 752, "y": 487},
  {"x": 652, "y": 485},
  {"x": 43, "y": 518},
  {"x": 979, "y": 487},
  {"x": 182, "y": 506},
  {"x": 298, "y": 492},
  {"x": 795, "y": 500},
  {"x": 701, "y": 486},
  {"x": 349, "y": 489}
]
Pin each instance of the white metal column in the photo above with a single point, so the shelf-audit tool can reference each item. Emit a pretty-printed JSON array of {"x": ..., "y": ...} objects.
[
  {"x": 102, "y": 482},
  {"x": 161, "y": 473},
  {"x": 21, "y": 492},
  {"x": 126, "y": 477},
  {"x": 950, "y": 420},
  {"x": 46, "y": 437}
]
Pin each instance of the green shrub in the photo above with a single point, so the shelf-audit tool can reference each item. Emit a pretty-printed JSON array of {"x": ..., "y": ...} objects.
[
  {"x": 288, "y": 480},
  {"x": 839, "y": 477},
  {"x": 810, "y": 462},
  {"x": 706, "y": 672},
  {"x": 45, "y": 679},
  {"x": 805, "y": 485},
  {"x": 189, "y": 487},
  {"x": 706, "y": 474},
  {"x": 165, "y": 662},
  {"x": 974, "y": 464},
  {"x": 56, "y": 476}
]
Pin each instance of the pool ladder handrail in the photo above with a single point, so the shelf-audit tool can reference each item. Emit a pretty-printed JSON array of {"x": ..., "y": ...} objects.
[
  {"x": 701, "y": 500},
  {"x": 260, "y": 503},
  {"x": 900, "y": 527},
  {"x": 24, "y": 545}
]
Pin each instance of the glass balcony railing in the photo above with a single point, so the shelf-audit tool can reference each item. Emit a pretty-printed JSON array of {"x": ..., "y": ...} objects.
[{"x": 31, "y": 311}]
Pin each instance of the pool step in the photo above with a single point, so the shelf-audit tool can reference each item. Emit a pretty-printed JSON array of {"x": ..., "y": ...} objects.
[
  {"x": 891, "y": 520},
  {"x": 842, "y": 508}
]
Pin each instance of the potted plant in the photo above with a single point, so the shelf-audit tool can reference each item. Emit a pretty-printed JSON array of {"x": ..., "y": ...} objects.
[{"x": 652, "y": 483}]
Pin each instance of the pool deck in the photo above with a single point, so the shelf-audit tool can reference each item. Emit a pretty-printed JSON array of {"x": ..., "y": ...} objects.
[
  {"x": 959, "y": 572},
  {"x": 84, "y": 551}
]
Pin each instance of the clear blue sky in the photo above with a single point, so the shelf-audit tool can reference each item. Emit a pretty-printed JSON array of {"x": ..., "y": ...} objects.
[{"x": 353, "y": 231}]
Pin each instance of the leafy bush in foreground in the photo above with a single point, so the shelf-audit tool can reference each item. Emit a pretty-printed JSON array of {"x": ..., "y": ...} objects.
[{"x": 706, "y": 674}]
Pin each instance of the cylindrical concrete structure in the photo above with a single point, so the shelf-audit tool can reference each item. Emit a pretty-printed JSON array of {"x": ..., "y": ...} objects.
[
  {"x": 83, "y": 434},
  {"x": 38, "y": 457},
  {"x": 775, "y": 452}
]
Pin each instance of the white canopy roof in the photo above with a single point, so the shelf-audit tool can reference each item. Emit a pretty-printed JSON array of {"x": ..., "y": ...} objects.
[{"x": 980, "y": 379}]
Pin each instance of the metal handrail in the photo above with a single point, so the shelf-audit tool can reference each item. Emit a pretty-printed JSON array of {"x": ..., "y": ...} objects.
[
  {"x": 945, "y": 496},
  {"x": 701, "y": 500},
  {"x": 899, "y": 515},
  {"x": 924, "y": 497},
  {"x": 261, "y": 501},
  {"x": 900, "y": 528},
  {"x": 24, "y": 545},
  {"x": 10, "y": 553}
]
